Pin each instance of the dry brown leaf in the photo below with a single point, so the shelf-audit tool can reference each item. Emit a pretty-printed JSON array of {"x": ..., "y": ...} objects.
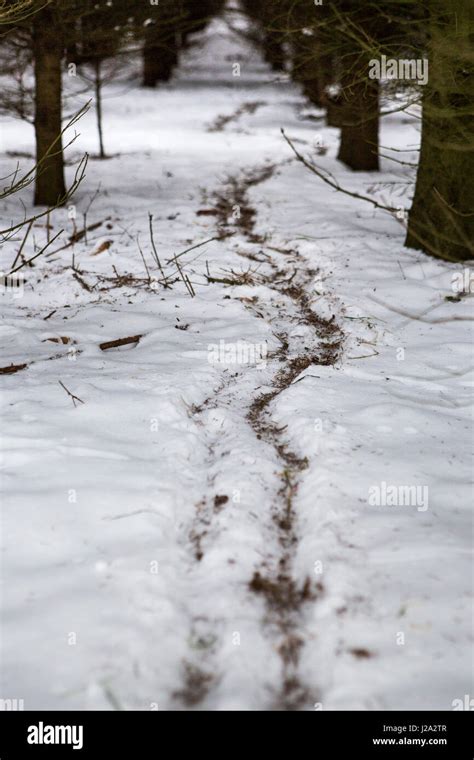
[
  {"x": 62, "y": 339},
  {"x": 102, "y": 247}
]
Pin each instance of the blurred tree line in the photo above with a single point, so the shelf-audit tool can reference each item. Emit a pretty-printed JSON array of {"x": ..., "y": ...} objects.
[
  {"x": 327, "y": 46},
  {"x": 78, "y": 36}
]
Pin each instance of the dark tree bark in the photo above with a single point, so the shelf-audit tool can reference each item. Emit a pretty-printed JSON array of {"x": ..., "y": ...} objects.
[
  {"x": 273, "y": 50},
  {"x": 310, "y": 69},
  {"x": 441, "y": 219},
  {"x": 357, "y": 113},
  {"x": 98, "y": 106},
  {"x": 160, "y": 55},
  {"x": 50, "y": 187},
  {"x": 333, "y": 110},
  {"x": 151, "y": 64}
]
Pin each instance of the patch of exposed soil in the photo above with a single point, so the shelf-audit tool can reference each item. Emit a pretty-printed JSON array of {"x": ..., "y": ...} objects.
[
  {"x": 284, "y": 599},
  {"x": 196, "y": 685},
  {"x": 232, "y": 205},
  {"x": 246, "y": 108}
]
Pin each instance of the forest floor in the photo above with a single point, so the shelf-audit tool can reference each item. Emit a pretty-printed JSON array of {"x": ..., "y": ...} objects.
[{"x": 198, "y": 519}]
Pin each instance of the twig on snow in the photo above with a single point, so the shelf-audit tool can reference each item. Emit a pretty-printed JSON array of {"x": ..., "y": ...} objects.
[
  {"x": 143, "y": 259},
  {"x": 155, "y": 252},
  {"x": 329, "y": 180},
  {"x": 74, "y": 398},
  {"x": 185, "y": 279},
  {"x": 198, "y": 245}
]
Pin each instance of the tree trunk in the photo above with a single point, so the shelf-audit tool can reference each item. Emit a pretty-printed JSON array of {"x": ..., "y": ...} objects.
[
  {"x": 333, "y": 109},
  {"x": 160, "y": 56},
  {"x": 98, "y": 106},
  {"x": 359, "y": 120},
  {"x": 332, "y": 97},
  {"x": 441, "y": 219},
  {"x": 50, "y": 187},
  {"x": 310, "y": 68},
  {"x": 151, "y": 68},
  {"x": 273, "y": 50}
]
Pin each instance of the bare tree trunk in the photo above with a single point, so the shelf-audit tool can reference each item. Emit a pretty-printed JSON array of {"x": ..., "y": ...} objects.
[
  {"x": 50, "y": 187},
  {"x": 333, "y": 110},
  {"x": 359, "y": 121},
  {"x": 151, "y": 66},
  {"x": 332, "y": 97},
  {"x": 98, "y": 105},
  {"x": 441, "y": 219},
  {"x": 160, "y": 56},
  {"x": 309, "y": 69},
  {"x": 273, "y": 50}
]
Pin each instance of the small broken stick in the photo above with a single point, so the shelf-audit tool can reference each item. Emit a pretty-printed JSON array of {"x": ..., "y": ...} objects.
[
  {"x": 12, "y": 368},
  {"x": 74, "y": 398},
  {"x": 120, "y": 342}
]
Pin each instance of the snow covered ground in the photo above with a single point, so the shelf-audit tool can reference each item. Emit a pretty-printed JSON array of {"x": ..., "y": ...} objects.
[{"x": 263, "y": 503}]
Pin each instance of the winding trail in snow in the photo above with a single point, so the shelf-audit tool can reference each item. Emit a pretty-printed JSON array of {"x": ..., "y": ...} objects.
[{"x": 289, "y": 281}]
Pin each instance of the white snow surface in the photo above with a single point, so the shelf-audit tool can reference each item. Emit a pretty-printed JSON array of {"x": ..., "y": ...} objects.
[{"x": 121, "y": 576}]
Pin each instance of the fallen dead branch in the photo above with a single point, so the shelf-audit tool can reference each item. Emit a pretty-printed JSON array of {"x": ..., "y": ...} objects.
[
  {"x": 12, "y": 368},
  {"x": 120, "y": 342},
  {"x": 62, "y": 340},
  {"x": 81, "y": 233},
  {"x": 77, "y": 236},
  {"x": 207, "y": 212}
]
